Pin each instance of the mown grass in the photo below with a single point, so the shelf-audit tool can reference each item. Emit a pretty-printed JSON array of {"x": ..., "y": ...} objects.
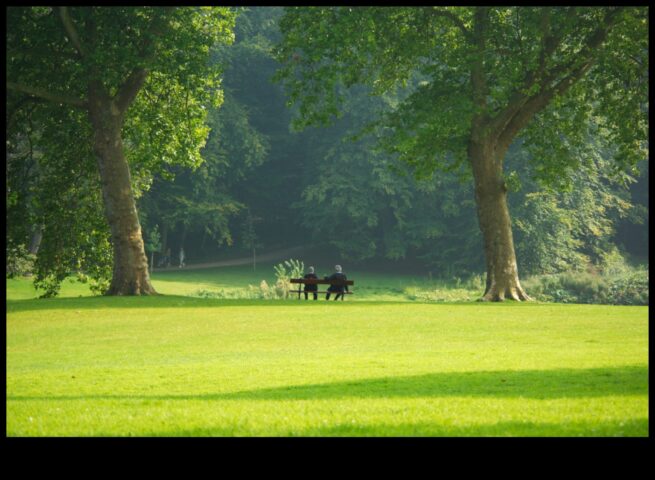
[
  {"x": 233, "y": 282},
  {"x": 180, "y": 366}
]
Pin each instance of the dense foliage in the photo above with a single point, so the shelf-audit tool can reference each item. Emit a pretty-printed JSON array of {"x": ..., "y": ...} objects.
[
  {"x": 62, "y": 64},
  {"x": 54, "y": 205},
  {"x": 257, "y": 182},
  {"x": 433, "y": 49},
  {"x": 476, "y": 80}
]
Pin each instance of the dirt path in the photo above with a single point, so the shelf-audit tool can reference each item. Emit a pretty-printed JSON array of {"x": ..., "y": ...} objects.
[{"x": 276, "y": 255}]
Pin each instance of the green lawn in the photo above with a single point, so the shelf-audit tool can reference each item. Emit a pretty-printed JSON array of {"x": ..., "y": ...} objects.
[
  {"x": 181, "y": 366},
  {"x": 236, "y": 279}
]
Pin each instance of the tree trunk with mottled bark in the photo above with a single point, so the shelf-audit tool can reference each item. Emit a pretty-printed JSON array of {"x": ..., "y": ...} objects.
[
  {"x": 130, "y": 273},
  {"x": 494, "y": 220}
]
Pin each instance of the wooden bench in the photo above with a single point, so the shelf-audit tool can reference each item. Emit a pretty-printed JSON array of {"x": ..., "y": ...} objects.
[{"x": 318, "y": 281}]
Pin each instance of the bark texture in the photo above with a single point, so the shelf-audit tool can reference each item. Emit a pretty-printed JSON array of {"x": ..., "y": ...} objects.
[
  {"x": 130, "y": 275},
  {"x": 495, "y": 224}
]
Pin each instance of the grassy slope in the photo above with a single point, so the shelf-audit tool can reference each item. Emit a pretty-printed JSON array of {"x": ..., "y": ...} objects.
[{"x": 175, "y": 365}]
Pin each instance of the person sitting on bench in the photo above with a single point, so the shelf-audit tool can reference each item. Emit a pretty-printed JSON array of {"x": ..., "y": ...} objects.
[
  {"x": 311, "y": 288},
  {"x": 338, "y": 289}
]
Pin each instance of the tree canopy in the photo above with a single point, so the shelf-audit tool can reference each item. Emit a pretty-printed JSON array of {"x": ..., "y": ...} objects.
[
  {"x": 372, "y": 161},
  {"x": 477, "y": 78},
  {"x": 530, "y": 55},
  {"x": 132, "y": 76}
]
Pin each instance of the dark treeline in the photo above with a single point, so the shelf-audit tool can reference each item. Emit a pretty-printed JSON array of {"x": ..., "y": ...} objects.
[{"x": 322, "y": 187}]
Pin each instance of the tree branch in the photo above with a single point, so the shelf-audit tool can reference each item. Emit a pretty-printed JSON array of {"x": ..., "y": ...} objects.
[
  {"x": 586, "y": 53},
  {"x": 71, "y": 32},
  {"x": 523, "y": 108},
  {"x": 156, "y": 29},
  {"x": 46, "y": 95},
  {"x": 130, "y": 88},
  {"x": 537, "y": 103},
  {"x": 456, "y": 20}
]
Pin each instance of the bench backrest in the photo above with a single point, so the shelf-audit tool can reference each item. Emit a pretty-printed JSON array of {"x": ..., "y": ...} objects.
[{"x": 315, "y": 281}]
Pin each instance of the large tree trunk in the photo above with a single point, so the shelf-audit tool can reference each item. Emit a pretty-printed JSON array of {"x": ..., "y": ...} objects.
[
  {"x": 130, "y": 275},
  {"x": 495, "y": 224}
]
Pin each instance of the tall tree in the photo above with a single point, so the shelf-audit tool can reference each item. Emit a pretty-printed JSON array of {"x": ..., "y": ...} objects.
[
  {"x": 484, "y": 75},
  {"x": 141, "y": 77},
  {"x": 55, "y": 186}
]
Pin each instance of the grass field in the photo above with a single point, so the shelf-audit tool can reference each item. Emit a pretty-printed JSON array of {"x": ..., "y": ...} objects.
[
  {"x": 175, "y": 365},
  {"x": 235, "y": 280}
]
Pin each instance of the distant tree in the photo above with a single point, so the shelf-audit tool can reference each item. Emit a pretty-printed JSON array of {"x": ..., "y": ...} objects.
[
  {"x": 485, "y": 75},
  {"x": 269, "y": 158},
  {"x": 249, "y": 236},
  {"x": 368, "y": 206},
  {"x": 199, "y": 204},
  {"x": 139, "y": 82},
  {"x": 153, "y": 245},
  {"x": 632, "y": 230},
  {"x": 568, "y": 228}
]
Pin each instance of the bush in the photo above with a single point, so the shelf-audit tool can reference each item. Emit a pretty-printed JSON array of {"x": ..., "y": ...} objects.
[
  {"x": 613, "y": 263},
  {"x": 97, "y": 285},
  {"x": 445, "y": 293},
  {"x": 19, "y": 261},
  {"x": 264, "y": 292},
  {"x": 279, "y": 290},
  {"x": 477, "y": 282},
  {"x": 283, "y": 272},
  {"x": 629, "y": 288}
]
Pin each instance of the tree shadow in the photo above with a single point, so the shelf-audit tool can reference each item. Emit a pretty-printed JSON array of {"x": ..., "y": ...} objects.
[
  {"x": 537, "y": 384},
  {"x": 158, "y": 301},
  {"x": 636, "y": 427},
  {"x": 533, "y": 384}
]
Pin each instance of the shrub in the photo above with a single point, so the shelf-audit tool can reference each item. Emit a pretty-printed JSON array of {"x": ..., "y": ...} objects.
[
  {"x": 233, "y": 294},
  {"x": 283, "y": 272},
  {"x": 251, "y": 292},
  {"x": 625, "y": 289},
  {"x": 477, "y": 282},
  {"x": 264, "y": 292},
  {"x": 441, "y": 294},
  {"x": 19, "y": 261},
  {"x": 97, "y": 285},
  {"x": 631, "y": 289},
  {"x": 613, "y": 263}
]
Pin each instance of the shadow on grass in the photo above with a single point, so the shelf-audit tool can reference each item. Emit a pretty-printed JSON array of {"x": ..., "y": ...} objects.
[
  {"x": 636, "y": 427},
  {"x": 167, "y": 301},
  {"x": 179, "y": 301},
  {"x": 534, "y": 384}
]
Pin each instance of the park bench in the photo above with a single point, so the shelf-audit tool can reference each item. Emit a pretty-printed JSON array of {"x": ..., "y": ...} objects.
[{"x": 318, "y": 281}]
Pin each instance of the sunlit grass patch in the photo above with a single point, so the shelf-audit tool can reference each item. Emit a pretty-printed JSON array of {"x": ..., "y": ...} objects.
[{"x": 182, "y": 366}]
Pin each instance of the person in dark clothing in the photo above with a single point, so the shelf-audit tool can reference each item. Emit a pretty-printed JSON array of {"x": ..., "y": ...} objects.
[
  {"x": 311, "y": 288},
  {"x": 338, "y": 289}
]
